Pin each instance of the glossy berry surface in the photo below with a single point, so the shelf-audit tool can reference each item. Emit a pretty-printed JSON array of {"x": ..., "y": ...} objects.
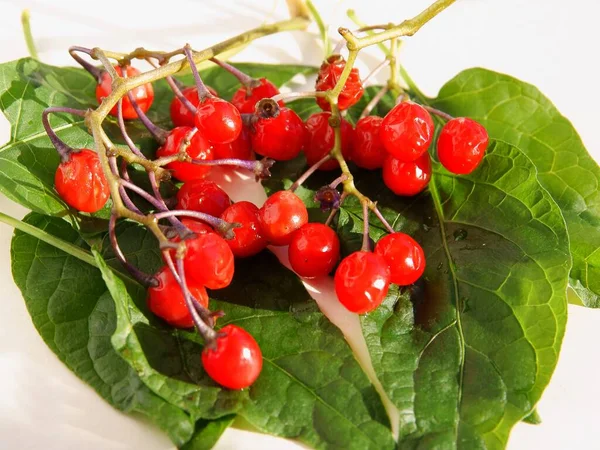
[
  {"x": 407, "y": 178},
  {"x": 245, "y": 99},
  {"x": 199, "y": 148},
  {"x": 361, "y": 281},
  {"x": 280, "y": 138},
  {"x": 218, "y": 120},
  {"x": 320, "y": 138},
  {"x": 406, "y": 131},
  {"x": 368, "y": 151},
  {"x": 195, "y": 226},
  {"x": 281, "y": 215},
  {"x": 167, "y": 301},
  {"x": 329, "y": 74},
  {"x": 238, "y": 149},
  {"x": 143, "y": 95},
  {"x": 461, "y": 145},
  {"x": 314, "y": 250},
  {"x": 81, "y": 183},
  {"x": 249, "y": 238},
  {"x": 237, "y": 360},
  {"x": 203, "y": 196},
  {"x": 180, "y": 115},
  {"x": 208, "y": 261},
  {"x": 405, "y": 257}
]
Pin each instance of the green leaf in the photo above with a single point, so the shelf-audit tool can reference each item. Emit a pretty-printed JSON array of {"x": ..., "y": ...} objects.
[
  {"x": 518, "y": 113},
  {"x": 534, "y": 418},
  {"x": 208, "y": 433},
  {"x": 28, "y": 162}
]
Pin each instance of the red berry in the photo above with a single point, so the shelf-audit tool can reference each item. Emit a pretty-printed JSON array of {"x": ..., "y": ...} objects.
[
  {"x": 236, "y": 362},
  {"x": 281, "y": 137},
  {"x": 407, "y": 131},
  {"x": 167, "y": 301},
  {"x": 361, "y": 281},
  {"x": 314, "y": 250},
  {"x": 281, "y": 215},
  {"x": 195, "y": 226},
  {"x": 368, "y": 151},
  {"x": 249, "y": 238},
  {"x": 81, "y": 183},
  {"x": 245, "y": 99},
  {"x": 203, "y": 196},
  {"x": 199, "y": 148},
  {"x": 208, "y": 261},
  {"x": 329, "y": 74},
  {"x": 180, "y": 115},
  {"x": 143, "y": 95},
  {"x": 405, "y": 257},
  {"x": 320, "y": 138},
  {"x": 407, "y": 178},
  {"x": 238, "y": 149},
  {"x": 461, "y": 145},
  {"x": 218, "y": 120}
]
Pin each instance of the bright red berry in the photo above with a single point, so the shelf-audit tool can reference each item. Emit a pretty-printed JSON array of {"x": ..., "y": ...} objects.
[
  {"x": 461, "y": 145},
  {"x": 81, "y": 183},
  {"x": 249, "y": 238},
  {"x": 281, "y": 215},
  {"x": 280, "y": 138},
  {"x": 238, "y": 149},
  {"x": 180, "y": 115},
  {"x": 407, "y": 178},
  {"x": 194, "y": 226},
  {"x": 143, "y": 95},
  {"x": 407, "y": 131},
  {"x": 209, "y": 261},
  {"x": 167, "y": 302},
  {"x": 218, "y": 120},
  {"x": 314, "y": 250},
  {"x": 405, "y": 257},
  {"x": 199, "y": 148},
  {"x": 245, "y": 99},
  {"x": 329, "y": 74},
  {"x": 361, "y": 281},
  {"x": 368, "y": 151},
  {"x": 320, "y": 138},
  {"x": 236, "y": 362},
  {"x": 203, "y": 196}
]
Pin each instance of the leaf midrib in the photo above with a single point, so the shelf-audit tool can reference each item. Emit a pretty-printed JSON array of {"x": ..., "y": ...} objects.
[{"x": 39, "y": 135}]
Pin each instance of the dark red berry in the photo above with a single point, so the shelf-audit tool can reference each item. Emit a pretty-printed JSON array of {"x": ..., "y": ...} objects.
[
  {"x": 209, "y": 261},
  {"x": 320, "y": 138},
  {"x": 245, "y": 99},
  {"x": 180, "y": 115},
  {"x": 314, "y": 250},
  {"x": 328, "y": 76},
  {"x": 461, "y": 145},
  {"x": 81, "y": 183},
  {"x": 143, "y": 95},
  {"x": 199, "y": 148},
  {"x": 218, "y": 120},
  {"x": 237, "y": 360},
  {"x": 167, "y": 302},
  {"x": 281, "y": 215},
  {"x": 203, "y": 196},
  {"x": 405, "y": 257},
  {"x": 368, "y": 151},
  {"x": 361, "y": 281},
  {"x": 238, "y": 149},
  {"x": 249, "y": 238},
  {"x": 407, "y": 178},
  {"x": 407, "y": 131},
  {"x": 280, "y": 138}
]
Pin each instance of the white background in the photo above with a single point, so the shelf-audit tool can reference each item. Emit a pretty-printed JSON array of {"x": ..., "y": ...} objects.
[{"x": 550, "y": 43}]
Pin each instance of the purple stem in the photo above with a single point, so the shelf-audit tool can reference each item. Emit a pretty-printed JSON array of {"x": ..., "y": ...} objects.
[
  {"x": 383, "y": 220},
  {"x": 213, "y": 221},
  {"x": 366, "y": 247},
  {"x": 312, "y": 169},
  {"x": 63, "y": 149},
  {"x": 375, "y": 71},
  {"x": 143, "y": 278},
  {"x": 112, "y": 161},
  {"x": 373, "y": 103},
  {"x": 335, "y": 210},
  {"x": 157, "y": 132},
  {"x": 335, "y": 183},
  {"x": 244, "y": 78},
  {"x": 203, "y": 92},
  {"x": 96, "y": 72},
  {"x": 123, "y": 129},
  {"x": 177, "y": 86},
  {"x": 438, "y": 113}
]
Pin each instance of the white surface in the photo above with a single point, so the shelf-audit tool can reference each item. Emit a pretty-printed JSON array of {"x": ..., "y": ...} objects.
[{"x": 550, "y": 43}]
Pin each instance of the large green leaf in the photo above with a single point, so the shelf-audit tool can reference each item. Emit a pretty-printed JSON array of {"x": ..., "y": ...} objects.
[{"x": 520, "y": 114}]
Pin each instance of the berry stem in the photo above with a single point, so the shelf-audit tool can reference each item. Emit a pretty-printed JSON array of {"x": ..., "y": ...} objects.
[
  {"x": 382, "y": 219},
  {"x": 247, "y": 81},
  {"x": 312, "y": 169},
  {"x": 203, "y": 92},
  {"x": 366, "y": 247},
  {"x": 260, "y": 168},
  {"x": 378, "y": 68},
  {"x": 335, "y": 183},
  {"x": 374, "y": 101},
  {"x": 334, "y": 211},
  {"x": 126, "y": 199},
  {"x": 96, "y": 72},
  {"x": 222, "y": 226},
  {"x": 438, "y": 113},
  {"x": 63, "y": 149},
  {"x": 157, "y": 132},
  {"x": 123, "y": 130},
  {"x": 176, "y": 86}
]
